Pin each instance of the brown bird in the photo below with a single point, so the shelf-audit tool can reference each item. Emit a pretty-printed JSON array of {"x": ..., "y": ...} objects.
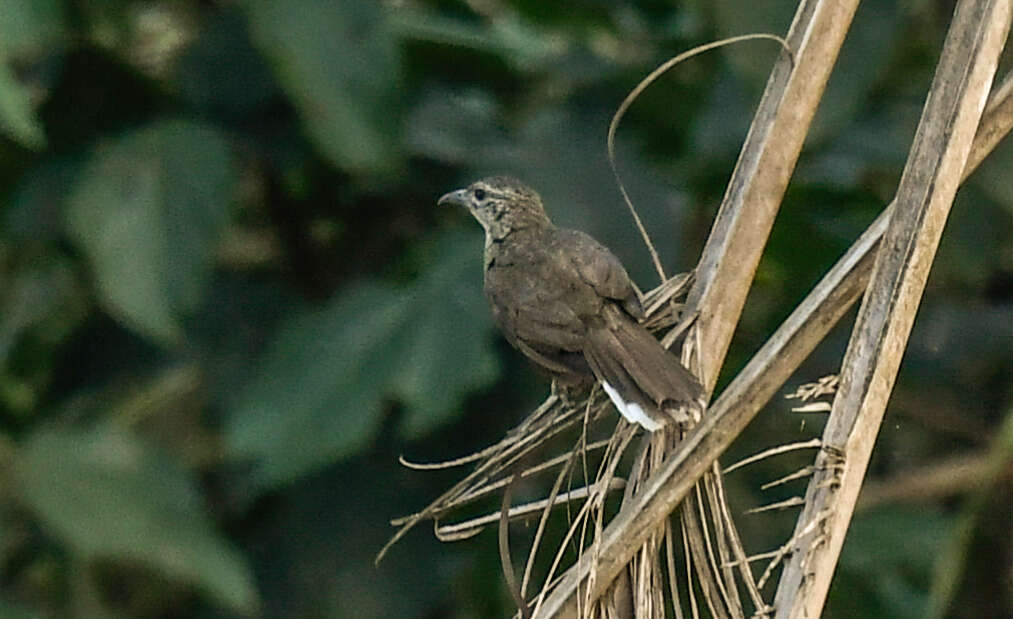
[{"x": 566, "y": 302}]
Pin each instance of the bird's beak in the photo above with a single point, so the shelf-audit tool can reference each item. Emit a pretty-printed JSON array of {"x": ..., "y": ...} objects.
[{"x": 457, "y": 198}]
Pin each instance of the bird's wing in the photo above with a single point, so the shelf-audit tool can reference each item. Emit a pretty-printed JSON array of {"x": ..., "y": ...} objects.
[
  {"x": 536, "y": 312},
  {"x": 538, "y": 322},
  {"x": 601, "y": 270}
]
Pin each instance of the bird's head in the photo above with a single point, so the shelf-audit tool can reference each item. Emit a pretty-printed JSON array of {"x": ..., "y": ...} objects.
[{"x": 501, "y": 204}]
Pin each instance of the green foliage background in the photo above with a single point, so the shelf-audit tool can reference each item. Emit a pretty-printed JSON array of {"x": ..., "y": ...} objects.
[{"x": 228, "y": 301}]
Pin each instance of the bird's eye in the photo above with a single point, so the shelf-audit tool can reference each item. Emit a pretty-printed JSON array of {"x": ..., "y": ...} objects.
[{"x": 480, "y": 194}]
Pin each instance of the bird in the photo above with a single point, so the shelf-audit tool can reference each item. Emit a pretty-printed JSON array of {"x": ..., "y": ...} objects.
[{"x": 565, "y": 301}]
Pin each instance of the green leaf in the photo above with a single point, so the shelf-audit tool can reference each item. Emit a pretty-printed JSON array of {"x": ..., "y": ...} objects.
[
  {"x": 106, "y": 495},
  {"x": 10, "y": 610},
  {"x": 147, "y": 210},
  {"x": 953, "y": 563},
  {"x": 443, "y": 351},
  {"x": 888, "y": 558},
  {"x": 17, "y": 116},
  {"x": 32, "y": 297},
  {"x": 510, "y": 37},
  {"x": 319, "y": 392},
  {"x": 338, "y": 60},
  {"x": 27, "y": 27}
]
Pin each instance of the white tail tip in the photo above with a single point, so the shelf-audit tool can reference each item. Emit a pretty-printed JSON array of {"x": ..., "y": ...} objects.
[{"x": 633, "y": 412}]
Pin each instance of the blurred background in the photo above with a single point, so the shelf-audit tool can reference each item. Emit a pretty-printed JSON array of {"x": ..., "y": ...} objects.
[{"x": 228, "y": 301}]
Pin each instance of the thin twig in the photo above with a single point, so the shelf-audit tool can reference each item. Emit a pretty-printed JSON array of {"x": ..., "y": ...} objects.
[{"x": 634, "y": 94}]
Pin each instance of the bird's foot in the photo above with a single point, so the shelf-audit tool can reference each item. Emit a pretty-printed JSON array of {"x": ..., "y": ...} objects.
[{"x": 560, "y": 392}]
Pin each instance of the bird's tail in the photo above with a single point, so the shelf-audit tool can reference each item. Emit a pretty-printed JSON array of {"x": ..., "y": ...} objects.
[{"x": 645, "y": 381}]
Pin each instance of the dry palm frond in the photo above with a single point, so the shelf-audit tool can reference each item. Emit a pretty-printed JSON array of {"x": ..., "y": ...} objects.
[
  {"x": 558, "y": 414},
  {"x": 712, "y": 549},
  {"x": 621, "y": 566},
  {"x": 713, "y": 561}
]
